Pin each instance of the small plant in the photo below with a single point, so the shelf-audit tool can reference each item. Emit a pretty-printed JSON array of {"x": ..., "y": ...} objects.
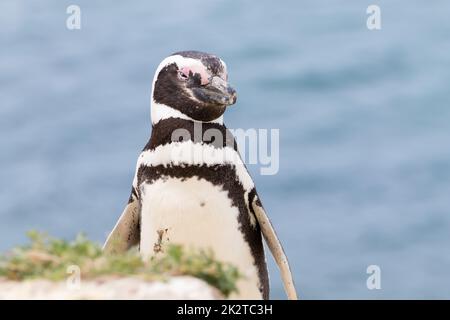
[{"x": 48, "y": 258}]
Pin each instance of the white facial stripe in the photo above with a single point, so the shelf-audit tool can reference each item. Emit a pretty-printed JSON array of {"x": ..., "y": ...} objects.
[
  {"x": 190, "y": 153},
  {"x": 225, "y": 69},
  {"x": 179, "y": 60},
  {"x": 161, "y": 111}
]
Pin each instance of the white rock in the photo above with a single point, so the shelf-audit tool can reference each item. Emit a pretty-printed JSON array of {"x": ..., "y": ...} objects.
[{"x": 188, "y": 288}]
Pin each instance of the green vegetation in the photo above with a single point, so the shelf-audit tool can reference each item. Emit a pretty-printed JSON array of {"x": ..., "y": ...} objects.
[{"x": 48, "y": 258}]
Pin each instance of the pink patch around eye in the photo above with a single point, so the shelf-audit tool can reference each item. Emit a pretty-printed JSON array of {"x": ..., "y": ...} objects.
[
  {"x": 204, "y": 76},
  {"x": 185, "y": 71}
]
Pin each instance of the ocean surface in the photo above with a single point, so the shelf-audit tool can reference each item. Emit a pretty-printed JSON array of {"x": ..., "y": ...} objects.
[{"x": 364, "y": 120}]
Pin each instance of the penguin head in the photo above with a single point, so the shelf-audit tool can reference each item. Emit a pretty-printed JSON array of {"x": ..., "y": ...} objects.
[{"x": 191, "y": 85}]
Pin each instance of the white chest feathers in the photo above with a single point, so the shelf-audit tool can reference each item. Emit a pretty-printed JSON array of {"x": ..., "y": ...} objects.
[{"x": 196, "y": 214}]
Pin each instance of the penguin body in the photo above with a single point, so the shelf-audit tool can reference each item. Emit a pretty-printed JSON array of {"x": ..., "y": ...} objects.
[
  {"x": 191, "y": 186},
  {"x": 200, "y": 202}
]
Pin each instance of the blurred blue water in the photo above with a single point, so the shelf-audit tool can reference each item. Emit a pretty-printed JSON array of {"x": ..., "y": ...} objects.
[{"x": 363, "y": 118}]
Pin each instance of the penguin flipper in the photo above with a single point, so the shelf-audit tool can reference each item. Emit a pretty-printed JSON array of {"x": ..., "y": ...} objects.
[
  {"x": 126, "y": 232},
  {"x": 275, "y": 247}
]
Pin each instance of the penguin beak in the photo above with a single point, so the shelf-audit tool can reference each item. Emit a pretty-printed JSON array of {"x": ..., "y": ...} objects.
[{"x": 216, "y": 92}]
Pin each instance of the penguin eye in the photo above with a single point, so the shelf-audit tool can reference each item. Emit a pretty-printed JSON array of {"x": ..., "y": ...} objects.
[{"x": 183, "y": 74}]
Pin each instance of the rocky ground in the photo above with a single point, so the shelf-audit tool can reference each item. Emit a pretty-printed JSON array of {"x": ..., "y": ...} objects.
[
  {"x": 50, "y": 268},
  {"x": 182, "y": 287}
]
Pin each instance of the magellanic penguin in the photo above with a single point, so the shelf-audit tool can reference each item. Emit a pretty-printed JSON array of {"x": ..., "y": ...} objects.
[{"x": 192, "y": 189}]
